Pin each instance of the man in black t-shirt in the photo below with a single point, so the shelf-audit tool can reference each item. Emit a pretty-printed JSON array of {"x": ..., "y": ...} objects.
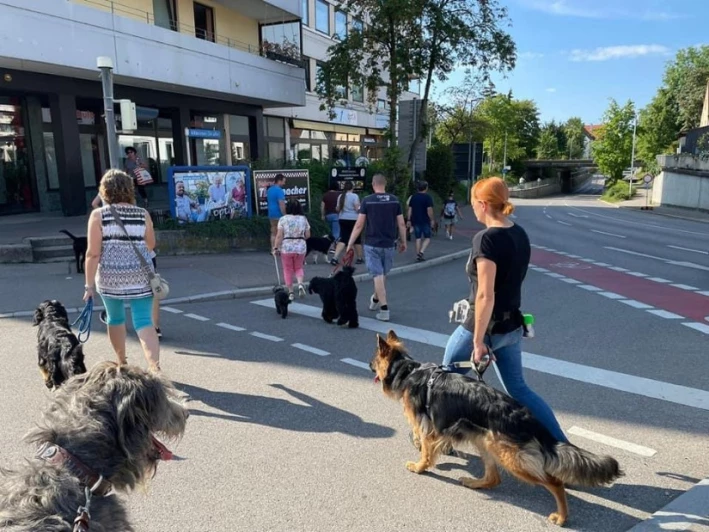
[
  {"x": 381, "y": 212},
  {"x": 421, "y": 219}
]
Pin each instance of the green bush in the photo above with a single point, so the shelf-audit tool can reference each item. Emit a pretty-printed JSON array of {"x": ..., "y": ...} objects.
[
  {"x": 440, "y": 167},
  {"x": 617, "y": 192},
  {"x": 256, "y": 227}
]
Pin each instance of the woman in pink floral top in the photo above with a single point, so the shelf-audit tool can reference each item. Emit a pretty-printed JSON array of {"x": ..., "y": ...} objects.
[{"x": 293, "y": 229}]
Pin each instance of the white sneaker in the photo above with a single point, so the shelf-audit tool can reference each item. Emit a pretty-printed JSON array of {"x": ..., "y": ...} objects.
[
  {"x": 383, "y": 315},
  {"x": 373, "y": 305}
]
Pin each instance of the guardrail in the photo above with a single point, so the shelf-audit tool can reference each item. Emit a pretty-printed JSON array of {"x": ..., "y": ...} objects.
[{"x": 527, "y": 185}]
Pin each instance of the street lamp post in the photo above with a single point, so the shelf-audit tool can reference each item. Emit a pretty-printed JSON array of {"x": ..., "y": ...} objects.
[
  {"x": 105, "y": 65},
  {"x": 632, "y": 157}
]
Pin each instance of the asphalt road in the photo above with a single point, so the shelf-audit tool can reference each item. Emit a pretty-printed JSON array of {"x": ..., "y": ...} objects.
[{"x": 287, "y": 437}]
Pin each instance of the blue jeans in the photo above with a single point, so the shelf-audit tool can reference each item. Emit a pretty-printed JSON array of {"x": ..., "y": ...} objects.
[
  {"x": 333, "y": 220},
  {"x": 508, "y": 352},
  {"x": 379, "y": 260}
]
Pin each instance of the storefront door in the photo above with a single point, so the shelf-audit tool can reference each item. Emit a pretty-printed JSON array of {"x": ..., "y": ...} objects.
[{"x": 18, "y": 192}]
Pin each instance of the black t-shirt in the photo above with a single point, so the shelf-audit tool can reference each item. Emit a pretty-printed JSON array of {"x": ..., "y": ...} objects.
[
  {"x": 419, "y": 203},
  {"x": 381, "y": 211},
  {"x": 509, "y": 249}
]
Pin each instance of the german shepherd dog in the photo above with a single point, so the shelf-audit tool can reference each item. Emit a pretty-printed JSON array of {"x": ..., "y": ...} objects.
[{"x": 459, "y": 409}]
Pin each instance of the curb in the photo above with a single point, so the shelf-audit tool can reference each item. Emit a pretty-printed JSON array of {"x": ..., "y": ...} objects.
[
  {"x": 676, "y": 216},
  {"x": 684, "y": 513},
  {"x": 615, "y": 206},
  {"x": 264, "y": 290}
]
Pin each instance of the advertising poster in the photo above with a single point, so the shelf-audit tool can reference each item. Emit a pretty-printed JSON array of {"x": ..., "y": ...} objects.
[
  {"x": 357, "y": 175},
  {"x": 297, "y": 187},
  {"x": 204, "y": 193}
]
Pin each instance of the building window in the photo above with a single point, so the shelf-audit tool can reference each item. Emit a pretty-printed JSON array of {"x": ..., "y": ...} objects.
[
  {"x": 381, "y": 104},
  {"x": 415, "y": 86},
  {"x": 340, "y": 24},
  {"x": 308, "y": 80},
  {"x": 357, "y": 93},
  {"x": 204, "y": 22},
  {"x": 281, "y": 42},
  {"x": 322, "y": 16},
  {"x": 357, "y": 25},
  {"x": 165, "y": 14},
  {"x": 306, "y": 12}
]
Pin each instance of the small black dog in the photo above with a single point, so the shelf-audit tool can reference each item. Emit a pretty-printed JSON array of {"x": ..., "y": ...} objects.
[
  {"x": 60, "y": 354},
  {"x": 339, "y": 297},
  {"x": 282, "y": 299},
  {"x": 80, "y": 244},
  {"x": 319, "y": 245}
]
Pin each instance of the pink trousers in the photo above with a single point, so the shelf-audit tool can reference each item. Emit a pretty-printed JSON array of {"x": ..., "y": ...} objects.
[{"x": 292, "y": 265}]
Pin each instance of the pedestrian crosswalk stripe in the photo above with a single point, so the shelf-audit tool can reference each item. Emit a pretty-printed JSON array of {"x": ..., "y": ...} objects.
[
  {"x": 613, "y": 442},
  {"x": 623, "y": 382},
  {"x": 356, "y": 363},
  {"x": 266, "y": 336},
  {"x": 310, "y": 349}
]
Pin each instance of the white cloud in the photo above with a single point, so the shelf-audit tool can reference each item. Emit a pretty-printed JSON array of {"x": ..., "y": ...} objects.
[
  {"x": 619, "y": 52},
  {"x": 530, "y": 55},
  {"x": 551, "y": 89},
  {"x": 572, "y": 8}
]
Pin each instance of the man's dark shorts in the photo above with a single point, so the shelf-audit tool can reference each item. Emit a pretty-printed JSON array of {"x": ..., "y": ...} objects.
[{"x": 422, "y": 231}]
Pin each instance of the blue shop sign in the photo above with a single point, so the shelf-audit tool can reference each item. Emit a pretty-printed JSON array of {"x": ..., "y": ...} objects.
[{"x": 204, "y": 133}]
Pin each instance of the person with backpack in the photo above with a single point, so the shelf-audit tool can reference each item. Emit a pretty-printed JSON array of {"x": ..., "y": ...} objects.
[{"x": 450, "y": 214}]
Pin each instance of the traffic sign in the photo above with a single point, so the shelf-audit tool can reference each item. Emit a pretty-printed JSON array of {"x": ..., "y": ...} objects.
[{"x": 647, "y": 178}]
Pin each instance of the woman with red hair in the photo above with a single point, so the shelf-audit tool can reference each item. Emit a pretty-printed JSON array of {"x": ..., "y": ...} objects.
[{"x": 493, "y": 326}]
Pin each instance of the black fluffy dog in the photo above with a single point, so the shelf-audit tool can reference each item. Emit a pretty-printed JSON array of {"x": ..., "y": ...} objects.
[
  {"x": 319, "y": 244},
  {"x": 339, "y": 297},
  {"x": 59, "y": 352},
  {"x": 280, "y": 297},
  {"x": 80, "y": 244}
]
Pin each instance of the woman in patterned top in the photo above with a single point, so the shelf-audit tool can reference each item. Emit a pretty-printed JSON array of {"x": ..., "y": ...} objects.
[
  {"x": 114, "y": 270},
  {"x": 293, "y": 229}
]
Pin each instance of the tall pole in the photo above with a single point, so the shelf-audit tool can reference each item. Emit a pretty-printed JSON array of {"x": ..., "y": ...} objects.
[
  {"x": 632, "y": 157},
  {"x": 105, "y": 65},
  {"x": 504, "y": 157}
]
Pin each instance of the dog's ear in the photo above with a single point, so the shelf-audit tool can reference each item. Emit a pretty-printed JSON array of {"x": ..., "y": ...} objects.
[
  {"x": 392, "y": 337},
  {"x": 382, "y": 346},
  {"x": 38, "y": 315}
]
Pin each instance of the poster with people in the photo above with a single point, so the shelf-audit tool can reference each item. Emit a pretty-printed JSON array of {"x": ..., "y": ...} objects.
[
  {"x": 297, "y": 186},
  {"x": 356, "y": 174},
  {"x": 201, "y": 194}
]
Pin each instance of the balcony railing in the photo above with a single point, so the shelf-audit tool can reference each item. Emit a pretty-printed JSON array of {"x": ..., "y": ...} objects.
[{"x": 292, "y": 57}]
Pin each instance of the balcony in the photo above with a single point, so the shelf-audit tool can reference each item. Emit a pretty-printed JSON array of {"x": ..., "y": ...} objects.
[{"x": 154, "y": 51}]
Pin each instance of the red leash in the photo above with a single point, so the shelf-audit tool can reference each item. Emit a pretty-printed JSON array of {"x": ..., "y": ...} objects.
[{"x": 347, "y": 260}]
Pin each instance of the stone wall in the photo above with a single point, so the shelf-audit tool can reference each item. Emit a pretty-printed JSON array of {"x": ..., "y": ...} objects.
[{"x": 683, "y": 182}]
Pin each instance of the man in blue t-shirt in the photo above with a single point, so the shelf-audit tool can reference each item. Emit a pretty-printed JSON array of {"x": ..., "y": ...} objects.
[
  {"x": 384, "y": 219},
  {"x": 276, "y": 200},
  {"x": 420, "y": 218}
]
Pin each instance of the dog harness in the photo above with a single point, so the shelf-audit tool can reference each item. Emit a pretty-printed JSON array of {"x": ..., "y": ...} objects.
[
  {"x": 439, "y": 369},
  {"x": 94, "y": 484}
]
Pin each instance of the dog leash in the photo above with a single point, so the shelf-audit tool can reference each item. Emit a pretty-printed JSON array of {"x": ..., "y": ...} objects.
[
  {"x": 347, "y": 260},
  {"x": 278, "y": 273},
  {"x": 84, "y": 321}
]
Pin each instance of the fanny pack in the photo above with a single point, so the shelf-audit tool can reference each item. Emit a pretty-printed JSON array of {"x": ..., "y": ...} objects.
[{"x": 500, "y": 322}]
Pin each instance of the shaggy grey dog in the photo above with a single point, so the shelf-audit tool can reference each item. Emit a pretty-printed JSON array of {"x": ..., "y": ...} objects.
[{"x": 107, "y": 419}]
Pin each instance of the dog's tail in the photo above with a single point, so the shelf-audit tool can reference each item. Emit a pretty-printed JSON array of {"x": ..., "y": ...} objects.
[
  {"x": 573, "y": 465},
  {"x": 67, "y": 233}
]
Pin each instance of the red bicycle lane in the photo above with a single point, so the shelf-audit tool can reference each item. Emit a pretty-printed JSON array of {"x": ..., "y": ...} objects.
[{"x": 661, "y": 296}]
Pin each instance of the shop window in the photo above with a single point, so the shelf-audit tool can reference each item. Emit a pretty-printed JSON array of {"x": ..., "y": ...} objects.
[
  {"x": 204, "y": 22},
  {"x": 153, "y": 143},
  {"x": 276, "y": 151},
  {"x": 239, "y": 125},
  {"x": 302, "y": 152},
  {"x": 322, "y": 16},
  {"x": 340, "y": 24},
  {"x": 275, "y": 127},
  {"x": 93, "y": 157},
  {"x": 165, "y": 14}
]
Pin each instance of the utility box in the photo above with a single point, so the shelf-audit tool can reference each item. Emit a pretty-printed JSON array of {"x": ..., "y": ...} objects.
[{"x": 129, "y": 117}]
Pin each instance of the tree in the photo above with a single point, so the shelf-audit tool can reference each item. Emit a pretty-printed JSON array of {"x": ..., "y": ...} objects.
[
  {"x": 548, "y": 143},
  {"x": 575, "y": 135},
  {"x": 527, "y": 123},
  {"x": 403, "y": 40},
  {"x": 657, "y": 128},
  {"x": 612, "y": 150}
]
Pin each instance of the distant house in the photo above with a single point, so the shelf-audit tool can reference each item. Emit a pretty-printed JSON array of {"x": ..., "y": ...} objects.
[
  {"x": 590, "y": 134},
  {"x": 704, "y": 120}
]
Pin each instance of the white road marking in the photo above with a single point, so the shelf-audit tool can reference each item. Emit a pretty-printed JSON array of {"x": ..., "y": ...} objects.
[
  {"x": 619, "y": 269},
  {"x": 356, "y": 363},
  {"x": 548, "y": 216},
  {"x": 266, "y": 336},
  {"x": 590, "y": 287},
  {"x": 643, "y": 224},
  {"x": 685, "y": 287},
  {"x": 563, "y": 223},
  {"x": 613, "y": 442},
  {"x": 576, "y": 215},
  {"x": 171, "y": 310},
  {"x": 230, "y": 327},
  {"x": 574, "y": 256},
  {"x": 682, "y": 263},
  {"x": 689, "y": 249},
  {"x": 571, "y": 281},
  {"x": 637, "y": 274},
  {"x": 636, "y": 304},
  {"x": 601, "y": 264},
  {"x": 701, "y": 327},
  {"x": 666, "y": 314},
  {"x": 623, "y": 382},
  {"x": 659, "y": 280},
  {"x": 588, "y": 260},
  {"x": 611, "y": 295},
  {"x": 609, "y": 234},
  {"x": 706, "y": 293},
  {"x": 556, "y": 275},
  {"x": 310, "y": 349},
  {"x": 540, "y": 270},
  {"x": 196, "y": 317}
]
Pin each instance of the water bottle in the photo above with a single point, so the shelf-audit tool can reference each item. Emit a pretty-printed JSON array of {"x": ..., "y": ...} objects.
[{"x": 528, "y": 325}]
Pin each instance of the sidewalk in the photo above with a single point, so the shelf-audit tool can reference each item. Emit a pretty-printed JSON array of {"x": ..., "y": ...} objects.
[
  {"x": 24, "y": 286},
  {"x": 662, "y": 210}
]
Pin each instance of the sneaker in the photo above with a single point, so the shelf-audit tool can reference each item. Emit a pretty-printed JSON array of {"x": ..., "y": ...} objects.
[
  {"x": 334, "y": 262},
  {"x": 420, "y": 257},
  {"x": 359, "y": 261},
  {"x": 157, "y": 330},
  {"x": 103, "y": 317},
  {"x": 382, "y": 315},
  {"x": 373, "y": 305},
  {"x": 450, "y": 237},
  {"x": 301, "y": 291}
]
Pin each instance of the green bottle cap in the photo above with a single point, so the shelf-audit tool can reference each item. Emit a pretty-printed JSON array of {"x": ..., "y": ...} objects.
[{"x": 528, "y": 319}]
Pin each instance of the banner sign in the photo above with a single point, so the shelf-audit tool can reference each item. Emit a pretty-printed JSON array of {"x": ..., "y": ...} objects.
[
  {"x": 341, "y": 175},
  {"x": 297, "y": 187},
  {"x": 205, "y": 193}
]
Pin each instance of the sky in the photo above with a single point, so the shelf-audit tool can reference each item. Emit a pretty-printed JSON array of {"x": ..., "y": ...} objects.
[{"x": 573, "y": 55}]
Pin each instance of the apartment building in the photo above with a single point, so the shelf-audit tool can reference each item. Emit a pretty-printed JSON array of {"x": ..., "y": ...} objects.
[
  {"x": 356, "y": 134},
  {"x": 199, "y": 72}
]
